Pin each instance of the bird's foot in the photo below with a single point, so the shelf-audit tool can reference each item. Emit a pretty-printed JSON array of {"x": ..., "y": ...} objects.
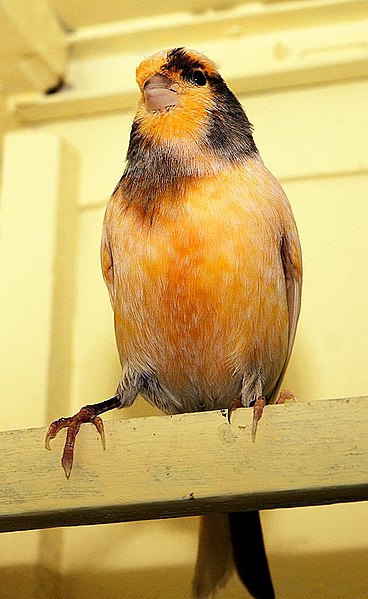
[
  {"x": 285, "y": 395},
  {"x": 73, "y": 424},
  {"x": 258, "y": 406}
]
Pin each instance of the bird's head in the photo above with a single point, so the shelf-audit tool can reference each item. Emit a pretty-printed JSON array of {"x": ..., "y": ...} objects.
[
  {"x": 185, "y": 100},
  {"x": 188, "y": 125},
  {"x": 176, "y": 93}
]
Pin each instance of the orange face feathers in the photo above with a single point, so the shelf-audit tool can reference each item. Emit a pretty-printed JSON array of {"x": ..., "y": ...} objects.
[{"x": 176, "y": 96}]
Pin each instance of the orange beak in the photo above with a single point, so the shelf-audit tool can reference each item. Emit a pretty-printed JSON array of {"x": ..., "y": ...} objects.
[{"x": 160, "y": 93}]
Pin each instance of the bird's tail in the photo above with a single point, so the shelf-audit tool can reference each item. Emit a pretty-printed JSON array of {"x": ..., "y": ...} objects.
[
  {"x": 250, "y": 555},
  {"x": 214, "y": 557},
  {"x": 226, "y": 540}
]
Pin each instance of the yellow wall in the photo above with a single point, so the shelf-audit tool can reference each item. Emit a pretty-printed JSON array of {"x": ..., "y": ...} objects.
[{"x": 59, "y": 351}]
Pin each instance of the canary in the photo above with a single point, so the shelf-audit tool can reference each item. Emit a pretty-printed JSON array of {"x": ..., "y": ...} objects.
[{"x": 202, "y": 261}]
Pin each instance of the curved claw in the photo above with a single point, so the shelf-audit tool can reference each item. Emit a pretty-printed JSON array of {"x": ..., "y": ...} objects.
[
  {"x": 235, "y": 404},
  {"x": 98, "y": 423},
  {"x": 53, "y": 430},
  {"x": 73, "y": 424},
  {"x": 259, "y": 404}
]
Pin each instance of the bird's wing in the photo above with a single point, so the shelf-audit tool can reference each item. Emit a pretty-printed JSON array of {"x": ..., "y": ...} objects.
[
  {"x": 291, "y": 259},
  {"x": 292, "y": 264},
  {"x": 107, "y": 265}
]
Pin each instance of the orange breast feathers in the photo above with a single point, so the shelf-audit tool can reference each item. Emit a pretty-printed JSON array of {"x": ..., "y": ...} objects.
[{"x": 199, "y": 291}]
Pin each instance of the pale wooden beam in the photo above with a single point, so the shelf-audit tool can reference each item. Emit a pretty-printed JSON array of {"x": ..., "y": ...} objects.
[
  {"x": 238, "y": 20},
  {"x": 305, "y": 454},
  {"x": 251, "y": 57},
  {"x": 33, "y": 46}
]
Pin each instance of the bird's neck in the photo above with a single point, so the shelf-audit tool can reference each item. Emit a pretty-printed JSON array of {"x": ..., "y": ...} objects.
[{"x": 158, "y": 167}]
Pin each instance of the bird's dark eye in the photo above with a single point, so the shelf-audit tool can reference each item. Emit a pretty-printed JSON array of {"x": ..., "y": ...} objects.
[{"x": 197, "y": 77}]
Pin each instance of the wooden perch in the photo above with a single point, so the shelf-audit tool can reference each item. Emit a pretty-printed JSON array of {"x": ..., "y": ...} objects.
[{"x": 158, "y": 467}]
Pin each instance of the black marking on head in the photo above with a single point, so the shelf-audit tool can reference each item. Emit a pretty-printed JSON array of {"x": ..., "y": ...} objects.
[
  {"x": 191, "y": 69},
  {"x": 229, "y": 132},
  {"x": 179, "y": 60}
]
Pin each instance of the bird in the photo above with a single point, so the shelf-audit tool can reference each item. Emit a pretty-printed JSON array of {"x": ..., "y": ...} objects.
[{"x": 201, "y": 257}]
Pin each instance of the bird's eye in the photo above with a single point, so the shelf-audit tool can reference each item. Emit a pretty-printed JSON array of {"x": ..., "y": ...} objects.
[{"x": 197, "y": 77}]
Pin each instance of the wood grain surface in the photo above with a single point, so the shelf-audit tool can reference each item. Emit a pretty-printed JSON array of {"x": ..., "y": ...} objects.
[{"x": 158, "y": 467}]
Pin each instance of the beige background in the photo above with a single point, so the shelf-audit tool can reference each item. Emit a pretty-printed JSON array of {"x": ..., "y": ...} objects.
[{"x": 298, "y": 68}]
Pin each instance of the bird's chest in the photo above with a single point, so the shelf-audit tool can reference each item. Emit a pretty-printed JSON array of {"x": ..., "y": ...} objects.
[
  {"x": 182, "y": 259},
  {"x": 207, "y": 258},
  {"x": 199, "y": 291}
]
